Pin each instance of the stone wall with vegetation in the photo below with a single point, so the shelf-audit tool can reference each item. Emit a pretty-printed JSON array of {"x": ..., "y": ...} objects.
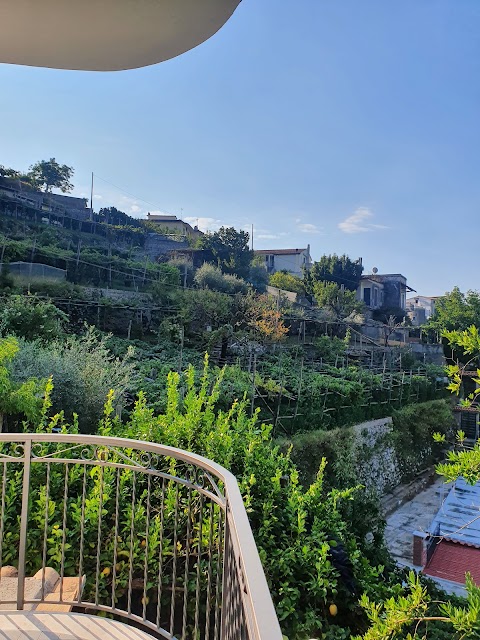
[{"x": 380, "y": 454}]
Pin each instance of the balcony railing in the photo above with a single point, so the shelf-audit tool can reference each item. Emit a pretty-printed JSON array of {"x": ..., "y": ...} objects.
[{"x": 153, "y": 535}]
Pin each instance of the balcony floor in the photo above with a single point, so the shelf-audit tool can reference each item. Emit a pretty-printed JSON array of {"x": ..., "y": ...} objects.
[{"x": 29, "y": 625}]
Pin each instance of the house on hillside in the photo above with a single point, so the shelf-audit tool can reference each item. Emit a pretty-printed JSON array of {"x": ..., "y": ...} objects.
[
  {"x": 171, "y": 225},
  {"x": 383, "y": 290},
  {"x": 422, "y": 307},
  {"x": 293, "y": 261}
]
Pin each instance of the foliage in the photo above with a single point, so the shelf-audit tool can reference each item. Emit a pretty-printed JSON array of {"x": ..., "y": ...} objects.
[
  {"x": 82, "y": 369},
  {"x": 328, "y": 348},
  {"x": 31, "y": 318},
  {"x": 48, "y": 174},
  {"x": 205, "y": 307},
  {"x": 265, "y": 319},
  {"x": 165, "y": 288},
  {"x": 230, "y": 250},
  {"x": 297, "y": 529},
  {"x": 340, "y": 302},
  {"x": 340, "y": 270},
  {"x": 414, "y": 427},
  {"x": 258, "y": 275},
  {"x": 209, "y": 276},
  {"x": 455, "y": 311},
  {"x": 411, "y": 611},
  {"x": 19, "y": 399},
  {"x": 288, "y": 282},
  {"x": 113, "y": 216}
]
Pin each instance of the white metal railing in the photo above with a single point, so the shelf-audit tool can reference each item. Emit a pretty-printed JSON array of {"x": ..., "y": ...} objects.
[{"x": 153, "y": 534}]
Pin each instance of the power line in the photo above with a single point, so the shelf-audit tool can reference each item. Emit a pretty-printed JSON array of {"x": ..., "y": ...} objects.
[{"x": 132, "y": 195}]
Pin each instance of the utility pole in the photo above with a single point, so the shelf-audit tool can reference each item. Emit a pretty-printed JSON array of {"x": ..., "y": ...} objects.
[
  {"x": 252, "y": 237},
  {"x": 91, "y": 200},
  {"x": 185, "y": 275}
]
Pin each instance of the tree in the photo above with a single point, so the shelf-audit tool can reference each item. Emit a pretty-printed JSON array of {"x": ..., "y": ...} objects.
[
  {"x": 455, "y": 311},
  {"x": 48, "y": 175},
  {"x": 7, "y": 172},
  {"x": 230, "y": 250},
  {"x": 258, "y": 275},
  {"x": 287, "y": 282},
  {"x": 264, "y": 317},
  {"x": 340, "y": 302},
  {"x": 390, "y": 326},
  {"x": 338, "y": 269},
  {"x": 113, "y": 216}
]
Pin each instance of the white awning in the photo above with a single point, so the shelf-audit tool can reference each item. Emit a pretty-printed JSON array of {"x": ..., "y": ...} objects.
[{"x": 106, "y": 35}]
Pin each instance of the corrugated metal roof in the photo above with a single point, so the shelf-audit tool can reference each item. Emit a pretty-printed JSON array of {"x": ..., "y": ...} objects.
[
  {"x": 451, "y": 561},
  {"x": 458, "y": 518}
]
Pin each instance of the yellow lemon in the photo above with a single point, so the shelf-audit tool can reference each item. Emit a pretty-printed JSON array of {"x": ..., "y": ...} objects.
[{"x": 333, "y": 609}]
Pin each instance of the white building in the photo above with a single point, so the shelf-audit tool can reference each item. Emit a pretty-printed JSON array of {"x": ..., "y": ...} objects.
[
  {"x": 294, "y": 261},
  {"x": 423, "y": 302}
]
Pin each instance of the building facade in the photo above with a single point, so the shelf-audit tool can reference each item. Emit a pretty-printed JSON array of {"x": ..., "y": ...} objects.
[
  {"x": 427, "y": 303},
  {"x": 387, "y": 290},
  {"x": 171, "y": 225},
  {"x": 293, "y": 261}
]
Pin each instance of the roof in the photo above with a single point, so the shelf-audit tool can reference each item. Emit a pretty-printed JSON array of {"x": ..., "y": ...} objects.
[
  {"x": 160, "y": 217},
  {"x": 279, "y": 252},
  {"x": 458, "y": 519},
  {"x": 451, "y": 561},
  {"x": 108, "y": 35}
]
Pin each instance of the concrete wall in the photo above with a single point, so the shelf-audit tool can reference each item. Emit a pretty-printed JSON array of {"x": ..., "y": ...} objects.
[{"x": 275, "y": 292}]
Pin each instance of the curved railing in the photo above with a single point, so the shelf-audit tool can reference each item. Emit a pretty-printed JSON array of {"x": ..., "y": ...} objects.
[{"x": 140, "y": 531}]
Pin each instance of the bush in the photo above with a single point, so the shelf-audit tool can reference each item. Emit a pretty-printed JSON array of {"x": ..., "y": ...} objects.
[
  {"x": 210, "y": 277},
  {"x": 83, "y": 371},
  {"x": 413, "y": 429},
  {"x": 285, "y": 280},
  {"x": 30, "y": 318}
]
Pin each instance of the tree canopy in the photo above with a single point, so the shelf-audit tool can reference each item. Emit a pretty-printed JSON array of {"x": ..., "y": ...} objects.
[
  {"x": 230, "y": 250},
  {"x": 287, "y": 282},
  {"x": 340, "y": 302},
  {"x": 338, "y": 269},
  {"x": 49, "y": 174},
  {"x": 455, "y": 311}
]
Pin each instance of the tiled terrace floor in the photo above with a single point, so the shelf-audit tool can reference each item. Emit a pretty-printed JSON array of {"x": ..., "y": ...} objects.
[{"x": 17, "y": 625}]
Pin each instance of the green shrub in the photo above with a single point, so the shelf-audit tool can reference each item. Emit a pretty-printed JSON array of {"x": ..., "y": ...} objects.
[
  {"x": 413, "y": 429},
  {"x": 83, "y": 371},
  {"x": 31, "y": 318}
]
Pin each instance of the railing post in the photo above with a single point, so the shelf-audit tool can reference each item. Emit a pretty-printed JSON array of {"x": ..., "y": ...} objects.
[
  {"x": 24, "y": 524},
  {"x": 226, "y": 586}
]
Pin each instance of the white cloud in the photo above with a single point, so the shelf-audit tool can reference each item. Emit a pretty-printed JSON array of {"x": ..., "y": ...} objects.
[
  {"x": 204, "y": 224},
  {"x": 306, "y": 227},
  {"x": 358, "y": 222},
  {"x": 97, "y": 197}
]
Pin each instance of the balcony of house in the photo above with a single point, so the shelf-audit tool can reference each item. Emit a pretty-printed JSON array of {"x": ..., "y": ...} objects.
[{"x": 112, "y": 538}]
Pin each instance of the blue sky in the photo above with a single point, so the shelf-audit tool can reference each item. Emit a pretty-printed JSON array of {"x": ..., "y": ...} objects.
[{"x": 352, "y": 125}]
